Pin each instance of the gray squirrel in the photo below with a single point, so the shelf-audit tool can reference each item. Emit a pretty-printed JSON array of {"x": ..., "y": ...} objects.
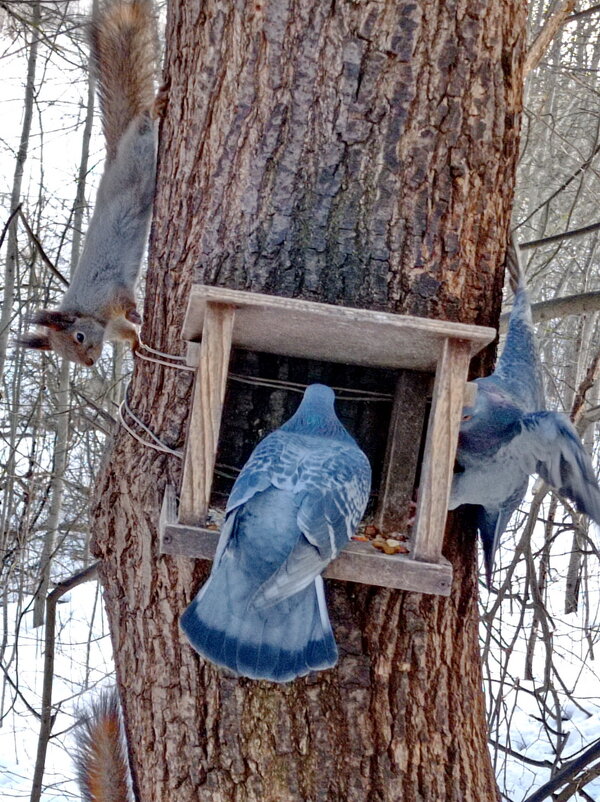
[{"x": 100, "y": 302}]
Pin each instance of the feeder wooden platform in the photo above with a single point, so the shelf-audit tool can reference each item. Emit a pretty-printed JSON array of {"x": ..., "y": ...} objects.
[
  {"x": 224, "y": 318},
  {"x": 358, "y": 562}
]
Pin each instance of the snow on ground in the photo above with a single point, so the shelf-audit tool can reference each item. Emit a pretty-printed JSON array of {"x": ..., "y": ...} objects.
[
  {"x": 516, "y": 779},
  {"x": 517, "y": 719},
  {"x": 83, "y": 660}
]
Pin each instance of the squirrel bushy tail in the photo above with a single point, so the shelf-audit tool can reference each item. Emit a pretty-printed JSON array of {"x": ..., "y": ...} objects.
[
  {"x": 101, "y": 756},
  {"x": 123, "y": 43}
]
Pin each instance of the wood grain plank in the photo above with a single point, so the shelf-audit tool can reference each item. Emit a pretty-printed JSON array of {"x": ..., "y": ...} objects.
[
  {"x": 402, "y": 454},
  {"x": 358, "y": 562},
  {"x": 470, "y": 394},
  {"x": 205, "y": 416},
  {"x": 440, "y": 450},
  {"x": 293, "y": 327}
]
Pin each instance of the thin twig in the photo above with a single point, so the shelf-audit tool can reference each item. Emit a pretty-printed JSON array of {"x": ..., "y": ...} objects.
[
  {"x": 45, "y": 258},
  {"x": 12, "y": 215},
  {"x": 575, "y": 232}
]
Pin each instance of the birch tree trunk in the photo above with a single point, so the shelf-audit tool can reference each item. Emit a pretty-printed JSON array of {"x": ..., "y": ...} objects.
[
  {"x": 357, "y": 153},
  {"x": 12, "y": 249},
  {"x": 63, "y": 389}
]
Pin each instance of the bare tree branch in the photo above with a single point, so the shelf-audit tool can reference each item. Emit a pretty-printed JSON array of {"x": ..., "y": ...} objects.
[
  {"x": 6, "y": 226},
  {"x": 47, "y": 718},
  {"x": 549, "y": 30},
  {"x": 585, "y": 13},
  {"x": 568, "y": 774},
  {"x": 592, "y": 415},
  {"x": 544, "y": 764},
  {"x": 576, "y": 232},
  {"x": 588, "y": 381},
  {"x": 581, "y": 169},
  {"x": 576, "y": 787},
  {"x": 45, "y": 258},
  {"x": 581, "y": 304}
]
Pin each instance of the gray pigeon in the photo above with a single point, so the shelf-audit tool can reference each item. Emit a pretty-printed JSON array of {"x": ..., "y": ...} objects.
[
  {"x": 508, "y": 435},
  {"x": 294, "y": 506}
]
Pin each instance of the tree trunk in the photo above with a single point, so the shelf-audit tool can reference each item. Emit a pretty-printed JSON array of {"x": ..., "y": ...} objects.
[
  {"x": 357, "y": 153},
  {"x": 63, "y": 390},
  {"x": 12, "y": 250}
]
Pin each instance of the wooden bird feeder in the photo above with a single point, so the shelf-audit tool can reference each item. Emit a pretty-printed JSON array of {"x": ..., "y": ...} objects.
[{"x": 222, "y": 318}]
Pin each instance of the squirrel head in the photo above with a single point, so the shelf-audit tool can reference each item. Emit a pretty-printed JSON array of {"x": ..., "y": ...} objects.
[{"x": 77, "y": 338}]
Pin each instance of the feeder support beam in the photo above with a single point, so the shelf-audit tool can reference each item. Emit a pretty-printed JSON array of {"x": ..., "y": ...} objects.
[
  {"x": 440, "y": 449},
  {"x": 205, "y": 418}
]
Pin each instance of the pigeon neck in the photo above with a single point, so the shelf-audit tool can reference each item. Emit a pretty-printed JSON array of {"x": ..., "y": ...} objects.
[{"x": 309, "y": 419}]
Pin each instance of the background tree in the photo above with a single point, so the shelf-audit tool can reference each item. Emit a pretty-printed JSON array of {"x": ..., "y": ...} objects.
[
  {"x": 356, "y": 153},
  {"x": 546, "y": 596},
  {"x": 53, "y": 421}
]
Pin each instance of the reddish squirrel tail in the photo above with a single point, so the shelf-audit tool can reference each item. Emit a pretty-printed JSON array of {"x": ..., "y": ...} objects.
[
  {"x": 101, "y": 757},
  {"x": 123, "y": 43}
]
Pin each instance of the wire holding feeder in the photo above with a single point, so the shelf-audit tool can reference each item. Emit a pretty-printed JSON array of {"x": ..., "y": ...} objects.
[
  {"x": 349, "y": 394},
  {"x": 157, "y": 445}
]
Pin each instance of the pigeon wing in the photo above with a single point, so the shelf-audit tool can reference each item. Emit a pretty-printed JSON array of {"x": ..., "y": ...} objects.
[
  {"x": 269, "y": 459},
  {"x": 492, "y": 523},
  {"x": 550, "y": 446},
  {"x": 332, "y": 491},
  {"x": 336, "y": 497},
  {"x": 254, "y": 478}
]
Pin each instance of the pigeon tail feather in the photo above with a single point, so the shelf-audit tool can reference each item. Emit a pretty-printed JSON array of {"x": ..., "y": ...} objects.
[
  {"x": 279, "y": 643},
  {"x": 514, "y": 265},
  {"x": 492, "y": 523},
  {"x": 489, "y": 532},
  {"x": 518, "y": 366}
]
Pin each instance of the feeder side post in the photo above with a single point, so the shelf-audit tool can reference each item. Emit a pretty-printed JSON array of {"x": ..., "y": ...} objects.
[
  {"x": 205, "y": 416},
  {"x": 440, "y": 449},
  {"x": 400, "y": 465}
]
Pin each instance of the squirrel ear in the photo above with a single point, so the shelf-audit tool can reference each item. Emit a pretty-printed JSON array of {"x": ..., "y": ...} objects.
[
  {"x": 40, "y": 342},
  {"x": 54, "y": 319}
]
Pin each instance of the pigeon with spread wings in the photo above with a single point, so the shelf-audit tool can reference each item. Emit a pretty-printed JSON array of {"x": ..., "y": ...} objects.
[{"x": 508, "y": 434}]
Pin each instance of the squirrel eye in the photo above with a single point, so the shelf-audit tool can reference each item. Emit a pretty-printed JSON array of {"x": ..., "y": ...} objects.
[
  {"x": 80, "y": 337},
  {"x": 467, "y": 417}
]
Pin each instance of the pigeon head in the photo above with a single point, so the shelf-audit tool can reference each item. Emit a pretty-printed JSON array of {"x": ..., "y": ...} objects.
[
  {"x": 492, "y": 421},
  {"x": 319, "y": 396},
  {"x": 316, "y": 415}
]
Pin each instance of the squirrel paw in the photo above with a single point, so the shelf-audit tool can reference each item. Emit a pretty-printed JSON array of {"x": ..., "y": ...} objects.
[
  {"x": 160, "y": 101},
  {"x": 133, "y": 316},
  {"x": 122, "y": 328}
]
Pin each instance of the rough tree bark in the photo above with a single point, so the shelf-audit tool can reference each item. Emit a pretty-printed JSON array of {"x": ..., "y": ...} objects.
[{"x": 362, "y": 153}]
